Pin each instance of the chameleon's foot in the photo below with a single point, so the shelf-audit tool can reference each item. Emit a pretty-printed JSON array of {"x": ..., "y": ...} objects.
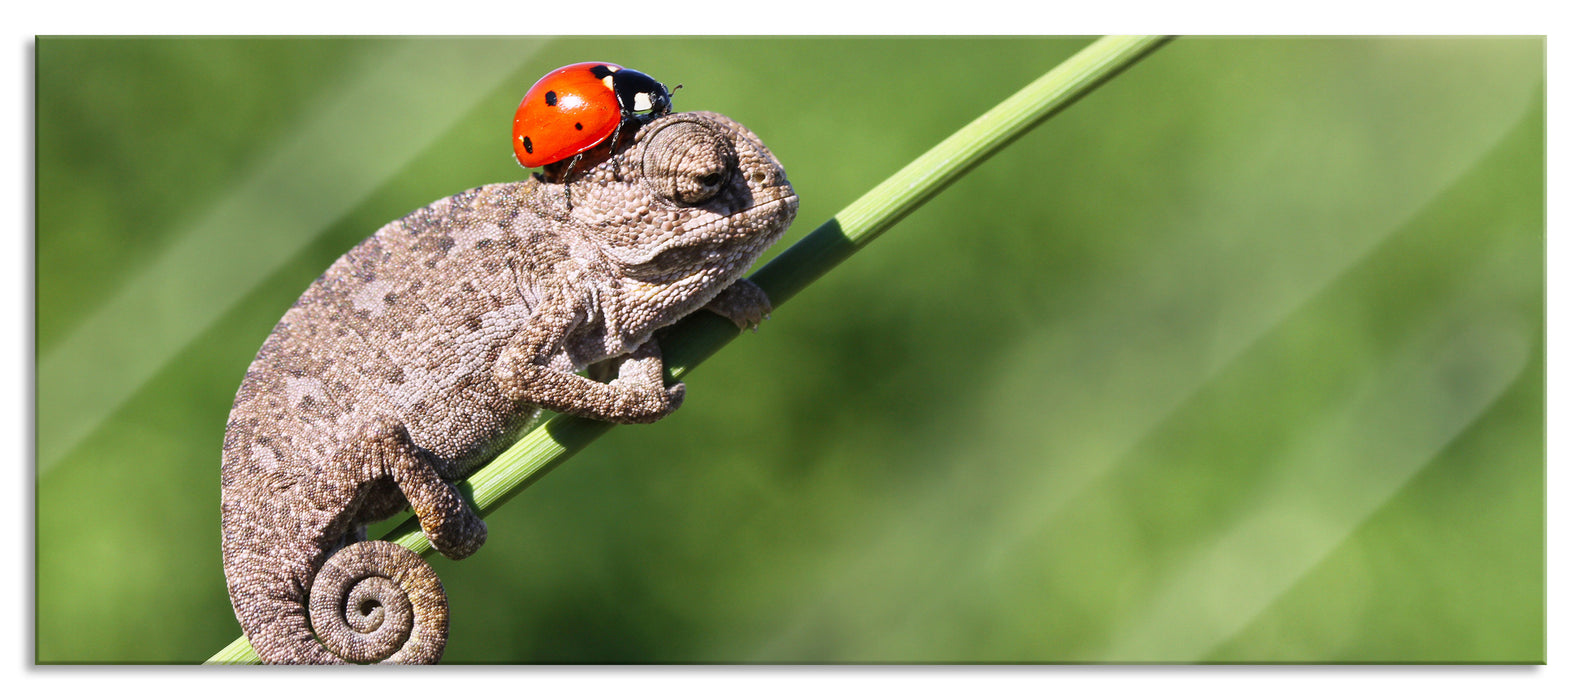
[{"x": 743, "y": 303}]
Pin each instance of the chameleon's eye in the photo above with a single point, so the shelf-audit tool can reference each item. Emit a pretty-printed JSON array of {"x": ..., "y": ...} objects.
[{"x": 689, "y": 163}]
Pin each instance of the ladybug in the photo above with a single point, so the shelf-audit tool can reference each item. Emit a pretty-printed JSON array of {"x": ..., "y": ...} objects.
[{"x": 578, "y": 107}]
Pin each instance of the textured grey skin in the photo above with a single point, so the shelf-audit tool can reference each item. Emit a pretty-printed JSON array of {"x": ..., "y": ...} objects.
[{"x": 428, "y": 347}]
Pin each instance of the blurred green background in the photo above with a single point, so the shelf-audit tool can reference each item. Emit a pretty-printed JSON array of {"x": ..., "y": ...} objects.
[{"x": 1239, "y": 359}]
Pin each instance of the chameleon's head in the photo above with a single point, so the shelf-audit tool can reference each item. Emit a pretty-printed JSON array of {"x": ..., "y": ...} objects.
[{"x": 692, "y": 191}]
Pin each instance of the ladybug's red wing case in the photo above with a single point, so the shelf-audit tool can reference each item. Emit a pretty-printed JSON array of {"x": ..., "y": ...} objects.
[
  {"x": 575, "y": 108},
  {"x": 565, "y": 113}
]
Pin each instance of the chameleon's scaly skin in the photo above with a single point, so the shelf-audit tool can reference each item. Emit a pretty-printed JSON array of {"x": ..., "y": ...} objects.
[{"x": 425, "y": 349}]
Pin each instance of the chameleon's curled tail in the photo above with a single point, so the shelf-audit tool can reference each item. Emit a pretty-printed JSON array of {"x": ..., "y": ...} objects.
[
  {"x": 371, "y": 602},
  {"x": 378, "y": 602}
]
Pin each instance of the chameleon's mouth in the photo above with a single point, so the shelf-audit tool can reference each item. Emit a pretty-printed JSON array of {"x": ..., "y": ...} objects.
[
  {"x": 787, "y": 202},
  {"x": 732, "y": 240}
]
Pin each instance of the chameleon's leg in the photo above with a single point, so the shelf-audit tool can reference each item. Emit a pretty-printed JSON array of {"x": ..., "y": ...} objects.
[
  {"x": 447, "y": 520},
  {"x": 743, "y": 303},
  {"x": 638, "y": 394},
  {"x": 643, "y": 370}
]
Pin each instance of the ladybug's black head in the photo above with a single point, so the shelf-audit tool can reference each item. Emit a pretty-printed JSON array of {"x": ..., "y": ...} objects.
[{"x": 642, "y": 98}]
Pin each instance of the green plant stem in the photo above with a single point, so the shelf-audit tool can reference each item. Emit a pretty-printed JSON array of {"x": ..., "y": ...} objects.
[{"x": 695, "y": 338}]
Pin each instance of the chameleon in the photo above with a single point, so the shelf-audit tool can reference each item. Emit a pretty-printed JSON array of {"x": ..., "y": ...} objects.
[{"x": 427, "y": 348}]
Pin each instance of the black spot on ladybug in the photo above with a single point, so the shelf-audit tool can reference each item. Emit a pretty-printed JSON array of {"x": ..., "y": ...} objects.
[
  {"x": 527, "y": 144},
  {"x": 600, "y": 71},
  {"x": 579, "y": 126},
  {"x": 549, "y": 98}
]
